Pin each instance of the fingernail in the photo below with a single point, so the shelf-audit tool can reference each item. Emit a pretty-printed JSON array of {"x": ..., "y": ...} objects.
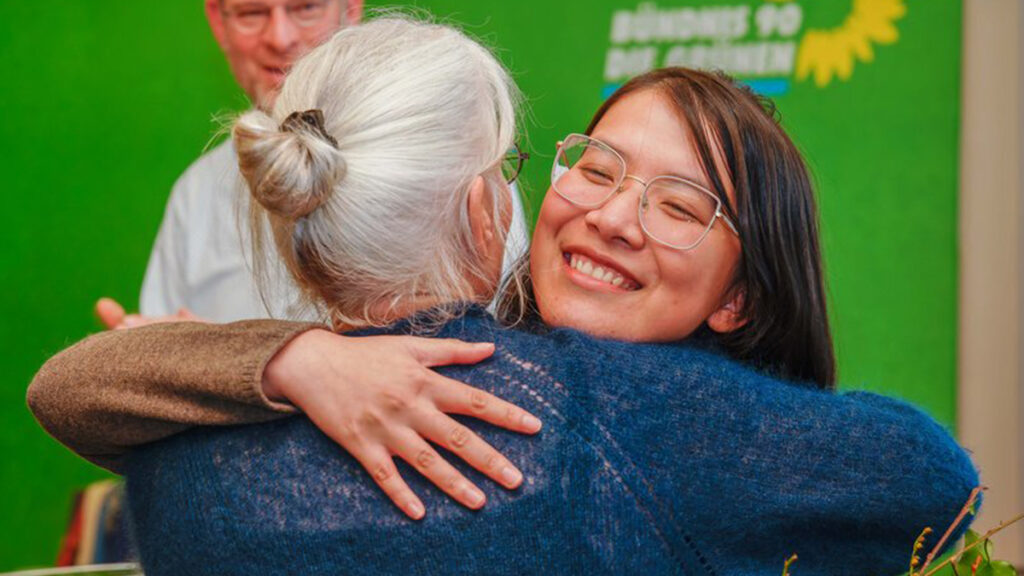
[
  {"x": 472, "y": 496},
  {"x": 510, "y": 476},
  {"x": 531, "y": 423},
  {"x": 415, "y": 509}
]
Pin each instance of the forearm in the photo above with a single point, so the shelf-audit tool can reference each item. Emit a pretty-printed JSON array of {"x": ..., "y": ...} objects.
[{"x": 119, "y": 389}]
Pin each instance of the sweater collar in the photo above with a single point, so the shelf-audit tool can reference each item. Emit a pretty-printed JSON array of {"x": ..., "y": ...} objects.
[{"x": 425, "y": 322}]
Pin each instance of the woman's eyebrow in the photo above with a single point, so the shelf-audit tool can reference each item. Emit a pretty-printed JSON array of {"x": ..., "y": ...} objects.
[
  {"x": 699, "y": 180},
  {"x": 610, "y": 142}
]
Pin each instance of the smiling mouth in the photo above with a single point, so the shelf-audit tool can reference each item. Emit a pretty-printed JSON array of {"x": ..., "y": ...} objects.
[{"x": 602, "y": 273}]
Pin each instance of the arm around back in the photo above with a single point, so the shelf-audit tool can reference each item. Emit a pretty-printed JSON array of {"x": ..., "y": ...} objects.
[{"x": 119, "y": 389}]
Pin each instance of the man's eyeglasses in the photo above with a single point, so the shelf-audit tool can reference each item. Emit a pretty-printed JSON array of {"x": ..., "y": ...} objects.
[
  {"x": 253, "y": 17},
  {"x": 673, "y": 211},
  {"x": 513, "y": 162}
]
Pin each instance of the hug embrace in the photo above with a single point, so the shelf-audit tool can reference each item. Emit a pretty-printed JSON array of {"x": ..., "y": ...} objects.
[{"x": 656, "y": 384}]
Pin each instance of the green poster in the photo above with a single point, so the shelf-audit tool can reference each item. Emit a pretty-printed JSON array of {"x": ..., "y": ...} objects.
[{"x": 106, "y": 103}]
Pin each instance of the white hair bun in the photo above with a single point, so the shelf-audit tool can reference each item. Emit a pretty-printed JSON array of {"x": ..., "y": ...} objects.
[{"x": 291, "y": 169}]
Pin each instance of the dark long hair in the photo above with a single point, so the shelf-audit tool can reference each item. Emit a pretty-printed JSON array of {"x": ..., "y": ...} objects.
[{"x": 786, "y": 331}]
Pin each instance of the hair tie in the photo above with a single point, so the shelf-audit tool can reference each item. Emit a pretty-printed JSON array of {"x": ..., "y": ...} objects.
[{"x": 309, "y": 120}]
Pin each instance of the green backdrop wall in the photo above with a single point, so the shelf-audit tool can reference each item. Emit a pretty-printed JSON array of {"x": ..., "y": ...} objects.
[{"x": 106, "y": 102}]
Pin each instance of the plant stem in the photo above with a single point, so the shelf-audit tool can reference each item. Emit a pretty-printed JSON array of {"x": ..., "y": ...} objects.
[
  {"x": 981, "y": 540},
  {"x": 785, "y": 569},
  {"x": 959, "y": 518}
]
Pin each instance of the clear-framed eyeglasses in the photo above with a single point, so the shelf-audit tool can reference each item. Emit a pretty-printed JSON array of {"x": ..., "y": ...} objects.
[
  {"x": 252, "y": 17},
  {"x": 673, "y": 211},
  {"x": 512, "y": 163}
]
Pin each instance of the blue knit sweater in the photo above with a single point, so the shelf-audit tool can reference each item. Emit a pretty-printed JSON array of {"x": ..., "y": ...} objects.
[{"x": 656, "y": 459}]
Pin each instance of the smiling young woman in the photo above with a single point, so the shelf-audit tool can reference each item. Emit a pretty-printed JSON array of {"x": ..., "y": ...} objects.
[
  {"x": 666, "y": 293},
  {"x": 754, "y": 276}
]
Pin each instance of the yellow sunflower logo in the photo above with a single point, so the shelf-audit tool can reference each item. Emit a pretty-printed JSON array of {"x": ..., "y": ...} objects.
[{"x": 829, "y": 54}]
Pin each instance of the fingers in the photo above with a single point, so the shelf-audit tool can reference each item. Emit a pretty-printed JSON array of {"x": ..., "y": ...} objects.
[
  {"x": 382, "y": 469},
  {"x": 461, "y": 441},
  {"x": 454, "y": 397},
  {"x": 110, "y": 313},
  {"x": 441, "y": 352},
  {"x": 420, "y": 454},
  {"x": 185, "y": 314},
  {"x": 136, "y": 320}
]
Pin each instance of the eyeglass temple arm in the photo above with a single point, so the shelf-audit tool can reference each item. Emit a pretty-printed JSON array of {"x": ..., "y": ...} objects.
[{"x": 727, "y": 221}]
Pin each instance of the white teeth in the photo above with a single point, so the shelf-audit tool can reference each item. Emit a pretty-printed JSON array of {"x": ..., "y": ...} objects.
[{"x": 585, "y": 266}]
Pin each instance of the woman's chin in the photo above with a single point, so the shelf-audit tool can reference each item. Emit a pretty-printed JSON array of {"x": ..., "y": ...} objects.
[
  {"x": 601, "y": 318},
  {"x": 580, "y": 316}
]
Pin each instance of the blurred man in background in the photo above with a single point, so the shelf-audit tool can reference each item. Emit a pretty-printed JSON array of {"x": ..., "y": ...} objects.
[{"x": 199, "y": 262}]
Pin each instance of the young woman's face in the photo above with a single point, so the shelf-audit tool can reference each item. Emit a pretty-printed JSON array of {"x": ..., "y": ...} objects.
[{"x": 666, "y": 293}]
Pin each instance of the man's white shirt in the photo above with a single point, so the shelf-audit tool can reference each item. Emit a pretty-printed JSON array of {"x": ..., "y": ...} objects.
[{"x": 201, "y": 259}]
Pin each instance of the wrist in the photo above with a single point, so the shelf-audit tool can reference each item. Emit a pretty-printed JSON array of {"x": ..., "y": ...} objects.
[{"x": 293, "y": 364}]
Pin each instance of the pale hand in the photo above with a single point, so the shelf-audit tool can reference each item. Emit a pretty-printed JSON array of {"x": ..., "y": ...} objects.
[
  {"x": 113, "y": 316},
  {"x": 377, "y": 397}
]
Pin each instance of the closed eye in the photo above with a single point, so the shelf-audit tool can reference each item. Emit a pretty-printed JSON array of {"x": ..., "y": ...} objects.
[
  {"x": 678, "y": 212},
  {"x": 597, "y": 175}
]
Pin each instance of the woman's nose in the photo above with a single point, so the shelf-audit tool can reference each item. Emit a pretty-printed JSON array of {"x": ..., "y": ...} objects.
[{"x": 617, "y": 220}]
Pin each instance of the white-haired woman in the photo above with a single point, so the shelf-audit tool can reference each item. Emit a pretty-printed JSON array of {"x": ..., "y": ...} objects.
[{"x": 379, "y": 172}]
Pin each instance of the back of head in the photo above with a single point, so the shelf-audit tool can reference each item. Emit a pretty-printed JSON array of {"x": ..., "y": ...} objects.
[{"x": 363, "y": 167}]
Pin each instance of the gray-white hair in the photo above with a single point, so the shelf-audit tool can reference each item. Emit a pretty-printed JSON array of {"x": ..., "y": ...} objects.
[{"x": 379, "y": 219}]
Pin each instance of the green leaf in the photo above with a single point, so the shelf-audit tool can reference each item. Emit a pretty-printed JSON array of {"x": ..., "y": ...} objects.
[
  {"x": 964, "y": 565},
  {"x": 1000, "y": 568}
]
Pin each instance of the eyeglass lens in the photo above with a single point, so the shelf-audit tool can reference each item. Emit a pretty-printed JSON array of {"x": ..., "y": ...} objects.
[
  {"x": 587, "y": 173},
  {"x": 251, "y": 18},
  {"x": 676, "y": 213}
]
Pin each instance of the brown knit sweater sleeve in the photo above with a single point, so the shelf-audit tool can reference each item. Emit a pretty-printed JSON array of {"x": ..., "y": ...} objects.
[{"x": 123, "y": 388}]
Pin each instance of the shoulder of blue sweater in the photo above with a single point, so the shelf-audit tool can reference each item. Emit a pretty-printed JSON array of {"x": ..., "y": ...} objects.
[{"x": 684, "y": 365}]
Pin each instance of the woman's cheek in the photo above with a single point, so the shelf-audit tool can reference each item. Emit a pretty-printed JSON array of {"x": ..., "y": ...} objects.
[{"x": 680, "y": 301}]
